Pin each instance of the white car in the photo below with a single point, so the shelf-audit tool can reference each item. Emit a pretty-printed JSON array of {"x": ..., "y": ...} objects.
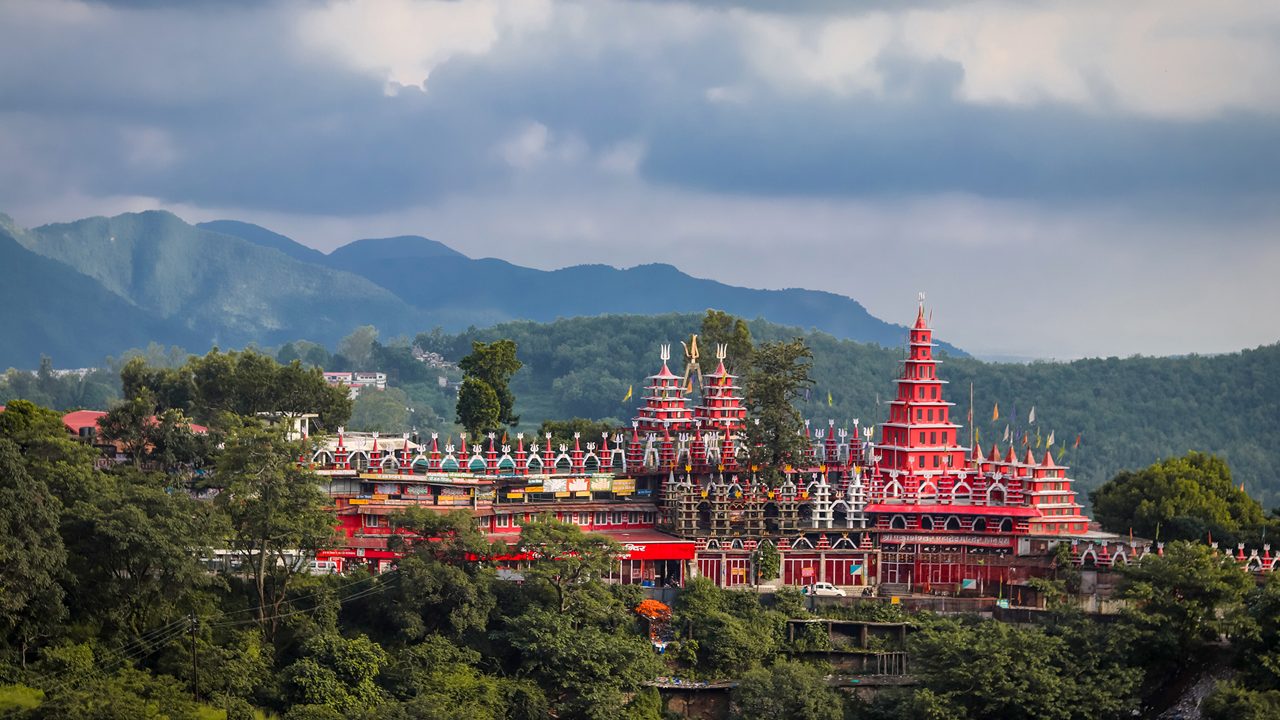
[{"x": 822, "y": 589}]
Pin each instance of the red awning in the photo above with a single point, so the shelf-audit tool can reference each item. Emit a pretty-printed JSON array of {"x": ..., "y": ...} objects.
[
  {"x": 636, "y": 544},
  {"x": 987, "y": 510}
]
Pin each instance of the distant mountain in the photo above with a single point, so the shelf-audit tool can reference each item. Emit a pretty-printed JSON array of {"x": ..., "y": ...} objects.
[
  {"x": 152, "y": 277},
  {"x": 259, "y": 235},
  {"x": 455, "y": 291},
  {"x": 52, "y": 309},
  {"x": 220, "y": 288}
]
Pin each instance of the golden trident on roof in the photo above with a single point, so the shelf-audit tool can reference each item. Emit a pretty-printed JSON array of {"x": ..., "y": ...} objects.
[{"x": 691, "y": 367}]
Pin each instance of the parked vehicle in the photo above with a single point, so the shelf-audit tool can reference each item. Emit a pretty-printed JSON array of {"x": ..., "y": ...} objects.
[
  {"x": 822, "y": 589},
  {"x": 322, "y": 567}
]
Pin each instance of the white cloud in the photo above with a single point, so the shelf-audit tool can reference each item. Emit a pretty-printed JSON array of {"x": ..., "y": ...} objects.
[
  {"x": 403, "y": 41},
  {"x": 837, "y": 55},
  {"x": 1166, "y": 58}
]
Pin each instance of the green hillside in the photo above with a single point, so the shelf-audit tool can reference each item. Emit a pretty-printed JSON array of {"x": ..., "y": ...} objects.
[
  {"x": 52, "y": 309},
  {"x": 224, "y": 289},
  {"x": 1128, "y": 411}
]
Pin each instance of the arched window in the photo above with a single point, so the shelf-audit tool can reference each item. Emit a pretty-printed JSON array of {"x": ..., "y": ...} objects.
[
  {"x": 898, "y": 523},
  {"x": 961, "y": 494},
  {"x": 1006, "y": 525},
  {"x": 953, "y": 523},
  {"x": 926, "y": 523},
  {"x": 979, "y": 525},
  {"x": 996, "y": 495}
]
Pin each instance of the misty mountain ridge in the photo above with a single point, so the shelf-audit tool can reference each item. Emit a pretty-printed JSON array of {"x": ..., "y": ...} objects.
[{"x": 232, "y": 283}]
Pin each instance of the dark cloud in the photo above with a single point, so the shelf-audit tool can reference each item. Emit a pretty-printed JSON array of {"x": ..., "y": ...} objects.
[{"x": 223, "y": 111}]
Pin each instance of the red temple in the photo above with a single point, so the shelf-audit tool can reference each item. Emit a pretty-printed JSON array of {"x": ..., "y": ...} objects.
[{"x": 916, "y": 510}]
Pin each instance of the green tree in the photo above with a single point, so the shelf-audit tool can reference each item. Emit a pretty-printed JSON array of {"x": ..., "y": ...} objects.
[
  {"x": 307, "y": 353},
  {"x": 338, "y": 673},
  {"x": 768, "y": 563},
  {"x": 779, "y": 376},
  {"x": 357, "y": 347},
  {"x": 719, "y": 327},
  {"x": 786, "y": 690},
  {"x": 493, "y": 364},
  {"x": 1262, "y": 649},
  {"x": 135, "y": 549},
  {"x": 439, "y": 679},
  {"x": 381, "y": 410},
  {"x": 562, "y": 431},
  {"x": 564, "y": 557},
  {"x": 278, "y": 516},
  {"x": 444, "y": 582},
  {"x": 128, "y": 694},
  {"x": 32, "y": 556},
  {"x": 1181, "y": 498},
  {"x": 1182, "y": 600},
  {"x": 1233, "y": 701},
  {"x": 478, "y": 408},
  {"x": 587, "y": 669},
  {"x": 973, "y": 667}
]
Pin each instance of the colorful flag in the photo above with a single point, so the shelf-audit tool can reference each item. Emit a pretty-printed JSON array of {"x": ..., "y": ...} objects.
[
  {"x": 995, "y": 412},
  {"x": 630, "y": 390},
  {"x": 1006, "y": 434},
  {"x": 977, "y": 437},
  {"x": 688, "y": 389},
  {"x": 1050, "y": 443},
  {"x": 1039, "y": 439},
  {"x": 829, "y": 401},
  {"x": 1079, "y": 437},
  {"x": 1031, "y": 418}
]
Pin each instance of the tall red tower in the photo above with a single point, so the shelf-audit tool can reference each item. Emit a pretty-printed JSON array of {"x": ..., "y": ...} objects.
[{"x": 919, "y": 436}]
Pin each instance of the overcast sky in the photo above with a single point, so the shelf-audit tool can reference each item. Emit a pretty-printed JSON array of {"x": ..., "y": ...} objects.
[{"x": 1063, "y": 178}]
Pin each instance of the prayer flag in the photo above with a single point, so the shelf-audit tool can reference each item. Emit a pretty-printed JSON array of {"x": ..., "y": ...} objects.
[
  {"x": 630, "y": 390},
  {"x": 995, "y": 412},
  {"x": 1031, "y": 418}
]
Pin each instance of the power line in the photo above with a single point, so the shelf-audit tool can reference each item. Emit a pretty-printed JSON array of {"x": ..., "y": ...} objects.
[{"x": 338, "y": 601}]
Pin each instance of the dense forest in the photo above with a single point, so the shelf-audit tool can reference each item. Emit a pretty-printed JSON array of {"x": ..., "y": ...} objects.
[
  {"x": 1125, "y": 413},
  {"x": 119, "y": 604},
  {"x": 177, "y": 586}
]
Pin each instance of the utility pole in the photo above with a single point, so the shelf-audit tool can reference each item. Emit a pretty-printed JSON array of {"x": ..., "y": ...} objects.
[{"x": 195, "y": 676}]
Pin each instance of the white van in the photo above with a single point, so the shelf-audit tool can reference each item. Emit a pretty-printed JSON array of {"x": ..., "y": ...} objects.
[{"x": 322, "y": 567}]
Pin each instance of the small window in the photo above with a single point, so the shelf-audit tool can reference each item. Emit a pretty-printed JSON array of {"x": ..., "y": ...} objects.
[
  {"x": 633, "y": 518},
  {"x": 504, "y": 520},
  {"x": 602, "y": 518},
  {"x": 617, "y": 518}
]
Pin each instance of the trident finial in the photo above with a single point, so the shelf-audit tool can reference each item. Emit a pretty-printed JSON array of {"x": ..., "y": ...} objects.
[
  {"x": 722, "y": 350},
  {"x": 921, "y": 296},
  {"x": 665, "y": 352}
]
